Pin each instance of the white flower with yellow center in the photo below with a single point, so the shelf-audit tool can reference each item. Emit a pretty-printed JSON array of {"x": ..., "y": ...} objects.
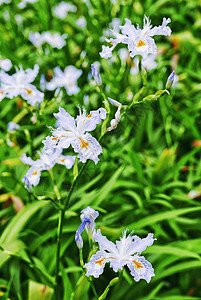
[
  {"x": 19, "y": 84},
  {"x": 74, "y": 132},
  {"x": 48, "y": 158},
  {"x": 125, "y": 252},
  {"x": 139, "y": 41},
  {"x": 67, "y": 79}
]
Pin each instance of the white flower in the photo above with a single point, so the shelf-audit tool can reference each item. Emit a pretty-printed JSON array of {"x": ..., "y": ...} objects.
[
  {"x": 148, "y": 63},
  {"x": 4, "y": 1},
  {"x": 81, "y": 22},
  {"x": 12, "y": 126},
  {"x": 135, "y": 67},
  {"x": 67, "y": 79},
  {"x": 139, "y": 41},
  {"x": 36, "y": 38},
  {"x": 48, "y": 158},
  {"x": 62, "y": 9},
  {"x": 53, "y": 39},
  {"x": 23, "y": 3},
  {"x": 20, "y": 84},
  {"x": 123, "y": 54},
  {"x": 114, "y": 122},
  {"x": 5, "y": 64},
  {"x": 88, "y": 216},
  {"x": 125, "y": 252},
  {"x": 74, "y": 132}
]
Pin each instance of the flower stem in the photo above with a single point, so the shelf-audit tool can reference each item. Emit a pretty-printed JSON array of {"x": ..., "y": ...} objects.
[
  {"x": 111, "y": 283},
  {"x": 56, "y": 190},
  {"x": 60, "y": 228}
]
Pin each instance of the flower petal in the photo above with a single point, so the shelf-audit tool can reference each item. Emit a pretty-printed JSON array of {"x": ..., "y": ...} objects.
[
  {"x": 65, "y": 120},
  {"x": 104, "y": 243},
  {"x": 96, "y": 264},
  {"x": 140, "y": 268}
]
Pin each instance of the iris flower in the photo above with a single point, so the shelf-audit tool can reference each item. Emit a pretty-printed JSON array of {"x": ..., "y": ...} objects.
[
  {"x": 74, "y": 132},
  {"x": 48, "y": 158},
  {"x": 125, "y": 252},
  {"x": 20, "y": 84},
  {"x": 139, "y": 41},
  {"x": 67, "y": 79}
]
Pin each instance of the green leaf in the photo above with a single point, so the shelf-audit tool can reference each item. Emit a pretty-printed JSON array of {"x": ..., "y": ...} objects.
[{"x": 38, "y": 291}]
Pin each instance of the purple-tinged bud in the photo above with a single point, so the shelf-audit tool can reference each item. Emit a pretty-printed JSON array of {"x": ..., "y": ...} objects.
[
  {"x": 42, "y": 83},
  {"x": 170, "y": 80},
  {"x": 96, "y": 75}
]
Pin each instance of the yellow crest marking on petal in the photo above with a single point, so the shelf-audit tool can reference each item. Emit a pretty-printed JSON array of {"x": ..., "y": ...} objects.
[
  {"x": 83, "y": 143},
  {"x": 89, "y": 116},
  {"x": 62, "y": 160},
  {"x": 55, "y": 138},
  {"x": 28, "y": 91},
  {"x": 138, "y": 264},
  {"x": 2, "y": 92},
  {"x": 141, "y": 43},
  {"x": 35, "y": 173},
  {"x": 100, "y": 261}
]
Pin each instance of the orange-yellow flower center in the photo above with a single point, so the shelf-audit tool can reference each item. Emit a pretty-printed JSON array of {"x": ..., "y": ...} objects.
[
  {"x": 54, "y": 138},
  {"x": 100, "y": 261},
  {"x": 2, "y": 92},
  {"x": 138, "y": 264},
  {"x": 89, "y": 116},
  {"x": 35, "y": 173},
  {"x": 83, "y": 143},
  {"x": 62, "y": 160},
  {"x": 28, "y": 91},
  {"x": 141, "y": 43}
]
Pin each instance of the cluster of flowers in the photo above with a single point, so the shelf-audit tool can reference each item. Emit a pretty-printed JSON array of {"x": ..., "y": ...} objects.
[
  {"x": 55, "y": 40},
  {"x": 125, "y": 252},
  {"x": 70, "y": 132},
  {"x": 19, "y": 84}
]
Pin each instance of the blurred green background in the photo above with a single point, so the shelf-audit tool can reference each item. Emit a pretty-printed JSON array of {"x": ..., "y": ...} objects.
[{"x": 150, "y": 163}]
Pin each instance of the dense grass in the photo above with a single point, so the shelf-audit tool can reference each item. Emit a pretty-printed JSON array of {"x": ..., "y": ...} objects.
[{"x": 149, "y": 165}]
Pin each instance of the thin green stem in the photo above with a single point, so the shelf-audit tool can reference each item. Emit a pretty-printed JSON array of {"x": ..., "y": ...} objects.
[
  {"x": 56, "y": 190},
  {"x": 111, "y": 283},
  {"x": 60, "y": 228}
]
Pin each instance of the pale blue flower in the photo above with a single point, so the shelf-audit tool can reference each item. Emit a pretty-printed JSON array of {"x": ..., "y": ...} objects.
[
  {"x": 53, "y": 39},
  {"x": 88, "y": 216},
  {"x": 125, "y": 252},
  {"x": 48, "y": 158},
  {"x": 67, "y": 79},
  {"x": 23, "y": 3},
  {"x": 5, "y": 64},
  {"x": 12, "y": 126},
  {"x": 62, "y": 9},
  {"x": 20, "y": 84},
  {"x": 74, "y": 132},
  {"x": 139, "y": 41},
  {"x": 81, "y": 22}
]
